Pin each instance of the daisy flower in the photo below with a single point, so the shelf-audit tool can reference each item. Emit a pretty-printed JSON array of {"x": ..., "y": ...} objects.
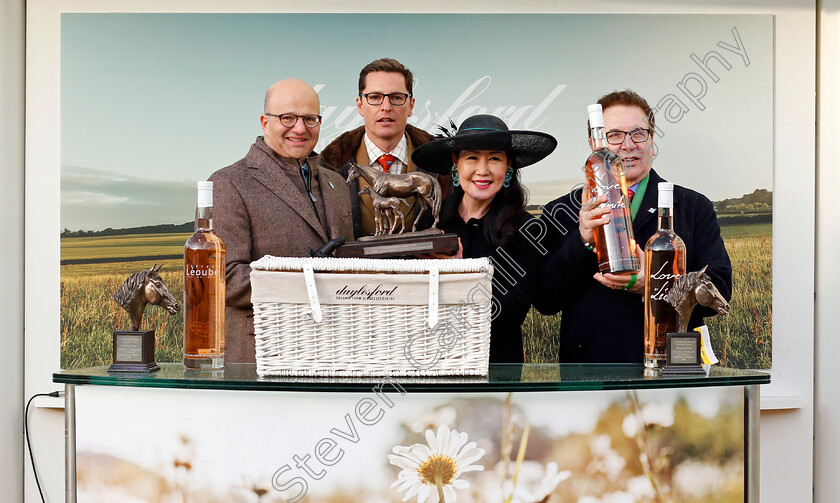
[
  {"x": 548, "y": 483},
  {"x": 534, "y": 485},
  {"x": 431, "y": 472}
]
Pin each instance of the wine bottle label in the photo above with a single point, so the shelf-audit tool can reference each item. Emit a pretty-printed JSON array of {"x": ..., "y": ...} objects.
[
  {"x": 661, "y": 281},
  {"x": 201, "y": 271}
]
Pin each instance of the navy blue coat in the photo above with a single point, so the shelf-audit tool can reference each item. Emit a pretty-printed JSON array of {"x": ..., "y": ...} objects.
[{"x": 604, "y": 325}]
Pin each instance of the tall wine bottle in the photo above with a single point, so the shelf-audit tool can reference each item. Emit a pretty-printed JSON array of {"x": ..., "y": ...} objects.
[
  {"x": 204, "y": 289},
  {"x": 614, "y": 241},
  {"x": 664, "y": 263}
]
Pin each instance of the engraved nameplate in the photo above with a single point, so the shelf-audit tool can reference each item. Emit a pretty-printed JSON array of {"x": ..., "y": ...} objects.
[
  {"x": 407, "y": 247},
  {"x": 683, "y": 351},
  {"x": 129, "y": 348},
  {"x": 682, "y": 354}
]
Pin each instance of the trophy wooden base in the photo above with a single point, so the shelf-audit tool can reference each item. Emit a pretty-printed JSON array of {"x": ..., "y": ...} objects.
[
  {"x": 409, "y": 244},
  {"x": 682, "y": 354},
  {"x": 134, "y": 351}
]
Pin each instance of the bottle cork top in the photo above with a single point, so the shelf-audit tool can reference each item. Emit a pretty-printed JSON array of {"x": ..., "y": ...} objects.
[
  {"x": 596, "y": 115},
  {"x": 205, "y": 194},
  {"x": 666, "y": 195}
]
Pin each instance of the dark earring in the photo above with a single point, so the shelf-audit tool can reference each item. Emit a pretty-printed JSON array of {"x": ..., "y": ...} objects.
[
  {"x": 508, "y": 176},
  {"x": 455, "y": 180}
]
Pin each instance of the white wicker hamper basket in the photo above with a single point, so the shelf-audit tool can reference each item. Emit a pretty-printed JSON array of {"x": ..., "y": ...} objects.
[{"x": 371, "y": 317}]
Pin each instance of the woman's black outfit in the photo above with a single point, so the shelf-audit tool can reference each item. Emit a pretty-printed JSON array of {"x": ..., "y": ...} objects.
[{"x": 516, "y": 266}]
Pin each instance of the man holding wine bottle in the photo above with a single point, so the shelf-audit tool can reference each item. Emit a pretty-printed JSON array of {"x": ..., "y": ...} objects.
[
  {"x": 603, "y": 313},
  {"x": 277, "y": 200}
]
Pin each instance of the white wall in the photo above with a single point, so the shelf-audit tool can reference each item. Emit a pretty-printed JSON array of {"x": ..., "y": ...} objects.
[
  {"x": 12, "y": 22},
  {"x": 787, "y": 426},
  {"x": 827, "y": 350}
]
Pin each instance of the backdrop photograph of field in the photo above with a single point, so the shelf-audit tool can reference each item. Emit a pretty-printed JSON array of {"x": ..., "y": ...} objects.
[
  {"x": 109, "y": 186},
  {"x": 94, "y": 266},
  {"x": 92, "y": 269}
]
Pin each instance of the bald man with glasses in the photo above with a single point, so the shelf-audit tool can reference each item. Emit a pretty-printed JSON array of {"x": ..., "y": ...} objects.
[
  {"x": 385, "y": 141},
  {"x": 277, "y": 200}
]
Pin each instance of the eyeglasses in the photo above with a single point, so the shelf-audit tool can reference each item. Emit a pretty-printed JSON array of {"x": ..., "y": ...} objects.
[
  {"x": 395, "y": 99},
  {"x": 289, "y": 120},
  {"x": 638, "y": 135}
]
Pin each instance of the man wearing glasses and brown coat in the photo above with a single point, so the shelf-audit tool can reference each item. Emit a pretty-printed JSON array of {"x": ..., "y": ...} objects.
[
  {"x": 277, "y": 200},
  {"x": 385, "y": 141}
]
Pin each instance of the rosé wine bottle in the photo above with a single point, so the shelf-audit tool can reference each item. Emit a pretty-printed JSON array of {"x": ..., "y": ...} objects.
[
  {"x": 664, "y": 263},
  {"x": 614, "y": 241},
  {"x": 204, "y": 289}
]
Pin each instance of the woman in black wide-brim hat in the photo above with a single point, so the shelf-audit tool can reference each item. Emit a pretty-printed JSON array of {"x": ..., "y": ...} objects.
[{"x": 486, "y": 208}]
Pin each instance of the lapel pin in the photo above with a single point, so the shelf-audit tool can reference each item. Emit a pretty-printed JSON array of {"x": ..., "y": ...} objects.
[
  {"x": 651, "y": 210},
  {"x": 332, "y": 186}
]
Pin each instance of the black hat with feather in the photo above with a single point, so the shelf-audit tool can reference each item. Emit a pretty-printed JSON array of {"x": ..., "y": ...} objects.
[{"x": 484, "y": 132}]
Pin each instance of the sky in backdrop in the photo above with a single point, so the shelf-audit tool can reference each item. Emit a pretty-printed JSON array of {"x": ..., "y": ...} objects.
[{"x": 151, "y": 103}]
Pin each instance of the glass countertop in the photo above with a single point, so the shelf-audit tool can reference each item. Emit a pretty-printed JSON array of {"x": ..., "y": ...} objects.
[{"x": 501, "y": 377}]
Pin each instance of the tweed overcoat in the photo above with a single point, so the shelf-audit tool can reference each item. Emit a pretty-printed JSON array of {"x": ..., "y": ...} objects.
[{"x": 261, "y": 208}]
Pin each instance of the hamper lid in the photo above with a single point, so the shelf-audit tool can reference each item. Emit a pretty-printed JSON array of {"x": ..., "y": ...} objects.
[{"x": 419, "y": 266}]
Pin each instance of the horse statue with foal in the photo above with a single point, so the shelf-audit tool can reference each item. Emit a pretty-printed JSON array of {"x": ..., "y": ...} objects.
[{"x": 388, "y": 185}]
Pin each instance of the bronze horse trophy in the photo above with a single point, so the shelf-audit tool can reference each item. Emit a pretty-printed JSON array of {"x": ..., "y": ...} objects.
[
  {"x": 134, "y": 350},
  {"x": 683, "y": 349},
  {"x": 141, "y": 288},
  {"x": 387, "y": 192},
  {"x": 426, "y": 187},
  {"x": 692, "y": 289}
]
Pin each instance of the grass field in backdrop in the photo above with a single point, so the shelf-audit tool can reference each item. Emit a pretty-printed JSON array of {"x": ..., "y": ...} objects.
[{"x": 89, "y": 316}]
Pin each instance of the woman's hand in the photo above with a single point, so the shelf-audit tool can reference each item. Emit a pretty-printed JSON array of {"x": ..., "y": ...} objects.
[
  {"x": 592, "y": 216},
  {"x": 620, "y": 281}
]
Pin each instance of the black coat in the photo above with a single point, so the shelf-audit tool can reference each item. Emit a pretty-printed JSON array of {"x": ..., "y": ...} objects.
[
  {"x": 516, "y": 267},
  {"x": 604, "y": 325}
]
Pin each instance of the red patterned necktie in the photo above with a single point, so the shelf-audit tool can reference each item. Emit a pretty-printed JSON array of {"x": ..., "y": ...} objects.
[
  {"x": 385, "y": 160},
  {"x": 630, "y": 195}
]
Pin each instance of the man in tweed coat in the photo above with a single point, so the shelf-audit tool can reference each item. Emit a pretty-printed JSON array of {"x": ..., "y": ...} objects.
[{"x": 277, "y": 200}]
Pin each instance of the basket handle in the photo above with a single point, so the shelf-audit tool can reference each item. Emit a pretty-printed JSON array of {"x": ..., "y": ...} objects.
[
  {"x": 434, "y": 284},
  {"x": 314, "y": 303}
]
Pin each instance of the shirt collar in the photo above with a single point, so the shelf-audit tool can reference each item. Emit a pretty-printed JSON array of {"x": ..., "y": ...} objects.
[{"x": 400, "y": 151}]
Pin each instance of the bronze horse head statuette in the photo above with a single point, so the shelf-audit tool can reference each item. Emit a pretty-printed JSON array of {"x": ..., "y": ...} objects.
[
  {"x": 141, "y": 288},
  {"x": 692, "y": 289}
]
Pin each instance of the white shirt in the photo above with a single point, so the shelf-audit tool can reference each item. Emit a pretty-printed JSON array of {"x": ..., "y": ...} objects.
[{"x": 400, "y": 152}]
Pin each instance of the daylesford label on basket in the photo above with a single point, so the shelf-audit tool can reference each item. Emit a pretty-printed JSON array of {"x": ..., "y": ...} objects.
[
  {"x": 365, "y": 292},
  {"x": 361, "y": 288}
]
